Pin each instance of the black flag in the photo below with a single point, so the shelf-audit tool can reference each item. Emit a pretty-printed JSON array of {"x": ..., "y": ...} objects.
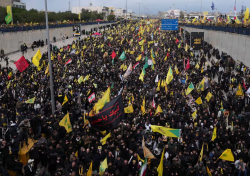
[{"x": 110, "y": 116}]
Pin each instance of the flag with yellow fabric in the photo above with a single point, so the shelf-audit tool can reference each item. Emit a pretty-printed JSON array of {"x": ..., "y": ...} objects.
[
  {"x": 65, "y": 122},
  {"x": 143, "y": 108},
  {"x": 214, "y": 134},
  {"x": 65, "y": 100},
  {"x": 170, "y": 132},
  {"x": 104, "y": 140},
  {"x": 208, "y": 172},
  {"x": 80, "y": 80},
  {"x": 89, "y": 173},
  {"x": 129, "y": 109},
  {"x": 31, "y": 101},
  {"x": 227, "y": 155},
  {"x": 169, "y": 76},
  {"x": 105, "y": 99},
  {"x": 103, "y": 167},
  {"x": 201, "y": 153},
  {"x": 209, "y": 96},
  {"x": 239, "y": 91},
  {"x": 37, "y": 57},
  {"x": 160, "y": 167},
  {"x": 198, "y": 101},
  {"x": 158, "y": 110},
  {"x": 194, "y": 114}
]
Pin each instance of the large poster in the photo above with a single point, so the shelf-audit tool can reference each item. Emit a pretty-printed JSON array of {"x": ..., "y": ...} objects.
[
  {"x": 197, "y": 40},
  {"x": 77, "y": 30}
]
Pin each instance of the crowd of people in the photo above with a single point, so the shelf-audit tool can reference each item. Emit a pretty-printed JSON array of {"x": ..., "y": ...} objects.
[{"x": 57, "y": 152}]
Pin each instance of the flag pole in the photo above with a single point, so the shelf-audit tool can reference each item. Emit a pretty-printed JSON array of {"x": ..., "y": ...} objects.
[
  {"x": 11, "y": 11},
  {"x": 50, "y": 63}
]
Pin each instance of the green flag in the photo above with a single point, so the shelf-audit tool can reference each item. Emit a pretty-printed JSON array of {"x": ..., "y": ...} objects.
[
  {"x": 122, "y": 56},
  {"x": 146, "y": 63},
  {"x": 8, "y": 18}
]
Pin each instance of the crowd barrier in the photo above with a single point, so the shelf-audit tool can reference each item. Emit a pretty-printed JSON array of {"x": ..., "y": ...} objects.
[
  {"x": 236, "y": 30},
  {"x": 40, "y": 27}
]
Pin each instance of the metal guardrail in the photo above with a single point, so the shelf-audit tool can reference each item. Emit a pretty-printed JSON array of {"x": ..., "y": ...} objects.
[
  {"x": 236, "y": 30},
  {"x": 29, "y": 28}
]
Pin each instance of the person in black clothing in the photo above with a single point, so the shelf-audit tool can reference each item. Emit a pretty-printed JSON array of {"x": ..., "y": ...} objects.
[{"x": 29, "y": 169}]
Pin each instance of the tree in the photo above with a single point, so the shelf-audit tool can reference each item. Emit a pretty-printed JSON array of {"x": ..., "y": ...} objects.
[
  {"x": 111, "y": 17},
  {"x": 181, "y": 15}
]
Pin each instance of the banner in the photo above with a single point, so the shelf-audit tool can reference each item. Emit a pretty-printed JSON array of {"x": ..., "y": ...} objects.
[
  {"x": 110, "y": 116},
  {"x": 197, "y": 40}
]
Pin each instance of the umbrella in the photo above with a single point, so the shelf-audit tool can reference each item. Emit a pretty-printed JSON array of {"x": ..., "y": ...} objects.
[{"x": 98, "y": 20}]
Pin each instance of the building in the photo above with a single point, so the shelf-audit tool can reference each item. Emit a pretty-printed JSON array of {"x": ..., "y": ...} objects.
[
  {"x": 98, "y": 9},
  {"x": 119, "y": 12},
  {"x": 5, "y": 3},
  {"x": 19, "y": 4},
  {"x": 16, "y": 3}
]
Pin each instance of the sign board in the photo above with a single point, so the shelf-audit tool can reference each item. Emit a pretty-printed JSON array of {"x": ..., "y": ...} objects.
[
  {"x": 197, "y": 40},
  {"x": 77, "y": 30},
  {"x": 169, "y": 24}
]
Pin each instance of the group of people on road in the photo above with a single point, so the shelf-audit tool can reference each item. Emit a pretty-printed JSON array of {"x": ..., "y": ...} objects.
[{"x": 152, "y": 53}]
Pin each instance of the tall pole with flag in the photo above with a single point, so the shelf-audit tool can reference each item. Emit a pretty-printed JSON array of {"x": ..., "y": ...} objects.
[
  {"x": 11, "y": 11},
  {"x": 235, "y": 14},
  {"x": 212, "y": 7},
  {"x": 50, "y": 64}
]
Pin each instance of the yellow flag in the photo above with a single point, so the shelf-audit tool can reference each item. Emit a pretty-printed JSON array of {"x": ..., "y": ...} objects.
[
  {"x": 65, "y": 100},
  {"x": 105, "y": 99},
  {"x": 139, "y": 159},
  {"x": 201, "y": 154},
  {"x": 201, "y": 69},
  {"x": 80, "y": 80},
  {"x": 198, "y": 101},
  {"x": 158, "y": 87},
  {"x": 104, "y": 140},
  {"x": 208, "y": 172},
  {"x": 47, "y": 69},
  {"x": 65, "y": 122},
  {"x": 36, "y": 58},
  {"x": 239, "y": 91},
  {"x": 197, "y": 66},
  {"x": 89, "y": 173},
  {"x": 143, "y": 108},
  {"x": 176, "y": 70},
  {"x": 138, "y": 58},
  {"x": 32, "y": 100},
  {"x": 160, "y": 167},
  {"x": 214, "y": 134},
  {"x": 147, "y": 153},
  {"x": 133, "y": 99},
  {"x": 194, "y": 114},
  {"x": 169, "y": 76},
  {"x": 227, "y": 155},
  {"x": 158, "y": 110},
  {"x": 129, "y": 109},
  {"x": 103, "y": 167},
  {"x": 209, "y": 96},
  {"x": 76, "y": 154}
]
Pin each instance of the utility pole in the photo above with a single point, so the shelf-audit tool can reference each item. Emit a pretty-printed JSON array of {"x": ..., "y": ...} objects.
[
  {"x": 80, "y": 12},
  {"x": 126, "y": 16},
  {"x": 50, "y": 63},
  {"x": 139, "y": 8}
]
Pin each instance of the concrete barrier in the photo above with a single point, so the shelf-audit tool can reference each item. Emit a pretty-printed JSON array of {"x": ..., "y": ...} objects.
[
  {"x": 235, "y": 45},
  {"x": 11, "y": 42}
]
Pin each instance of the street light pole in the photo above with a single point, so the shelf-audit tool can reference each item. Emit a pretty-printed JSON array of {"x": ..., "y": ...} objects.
[
  {"x": 139, "y": 8},
  {"x": 50, "y": 63},
  {"x": 80, "y": 12}
]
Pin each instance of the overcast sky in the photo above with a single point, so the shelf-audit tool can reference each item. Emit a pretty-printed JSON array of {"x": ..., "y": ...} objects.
[{"x": 152, "y": 6}]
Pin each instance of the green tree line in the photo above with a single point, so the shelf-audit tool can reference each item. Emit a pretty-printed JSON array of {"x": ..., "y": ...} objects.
[{"x": 34, "y": 16}]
